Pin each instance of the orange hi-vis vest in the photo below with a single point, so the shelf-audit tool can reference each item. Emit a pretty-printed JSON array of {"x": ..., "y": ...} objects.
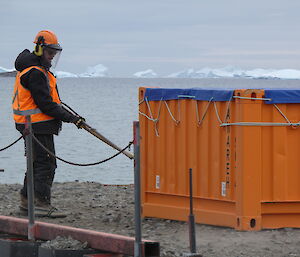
[{"x": 23, "y": 103}]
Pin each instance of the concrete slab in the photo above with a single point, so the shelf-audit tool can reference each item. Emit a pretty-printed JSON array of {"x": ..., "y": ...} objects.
[
  {"x": 18, "y": 247},
  {"x": 46, "y": 252},
  {"x": 104, "y": 255}
]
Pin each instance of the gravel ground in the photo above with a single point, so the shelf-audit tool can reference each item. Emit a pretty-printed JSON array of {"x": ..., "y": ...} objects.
[
  {"x": 65, "y": 243},
  {"x": 111, "y": 209}
]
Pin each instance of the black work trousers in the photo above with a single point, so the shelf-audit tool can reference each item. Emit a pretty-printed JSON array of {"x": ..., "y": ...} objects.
[{"x": 44, "y": 166}]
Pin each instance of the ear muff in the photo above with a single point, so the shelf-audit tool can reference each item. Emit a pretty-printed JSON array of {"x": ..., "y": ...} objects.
[{"x": 38, "y": 50}]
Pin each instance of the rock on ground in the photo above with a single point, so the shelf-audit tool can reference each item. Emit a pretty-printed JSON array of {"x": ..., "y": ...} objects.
[{"x": 111, "y": 209}]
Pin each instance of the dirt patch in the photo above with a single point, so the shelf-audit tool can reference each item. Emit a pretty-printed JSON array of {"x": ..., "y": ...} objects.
[{"x": 111, "y": 209}]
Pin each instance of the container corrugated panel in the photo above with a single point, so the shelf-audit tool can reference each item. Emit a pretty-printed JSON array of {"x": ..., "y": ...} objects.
[{"x": 244, "y": 155}]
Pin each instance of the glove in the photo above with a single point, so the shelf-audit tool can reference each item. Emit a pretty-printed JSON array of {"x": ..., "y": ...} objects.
[{"x": 79, "y": 122}]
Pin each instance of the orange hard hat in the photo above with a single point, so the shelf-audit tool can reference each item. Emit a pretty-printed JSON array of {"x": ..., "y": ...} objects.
[{"x": 47, "y": 38}]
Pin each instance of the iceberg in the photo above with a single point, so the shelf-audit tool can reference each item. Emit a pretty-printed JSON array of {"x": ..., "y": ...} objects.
[
  {"x": 284, "y": 74},
  {"x": 232, "y": 72},
  {"x": 145, "y": 74},
  {"x": 5, "y": 70},
  {"x": 96, "y": 71},
  {"x": 65, "y": 74},
  {"x": 189, "y": 73},
  {"x": 226, "y": 72}
]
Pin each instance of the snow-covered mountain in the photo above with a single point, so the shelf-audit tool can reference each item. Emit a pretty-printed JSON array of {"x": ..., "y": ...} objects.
[
  {"x": 231, "y": 72},
  {"x": 227, "y": 72},
  {"x": 145, "y": 74},
  {"x": 96, "y": 71}
]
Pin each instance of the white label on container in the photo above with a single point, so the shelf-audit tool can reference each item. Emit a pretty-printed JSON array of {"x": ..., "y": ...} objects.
[
  {"x": 157, "y": 182},
  {"x": 223, "y": 190}
]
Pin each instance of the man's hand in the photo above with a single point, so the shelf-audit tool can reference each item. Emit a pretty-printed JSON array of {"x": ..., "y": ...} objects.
[{"x": 79, "y": 122}]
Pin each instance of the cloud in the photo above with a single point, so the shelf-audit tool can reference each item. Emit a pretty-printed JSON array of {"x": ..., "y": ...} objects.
[{"x": 161, "y": 34}]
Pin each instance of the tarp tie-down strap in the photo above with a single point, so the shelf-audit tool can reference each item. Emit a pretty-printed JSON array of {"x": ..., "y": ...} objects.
[
  {"x": 227, "y": 115},
  {"x": 149, "y": 109},
  {"x": 252, "y": 98},
  {"x": 172, "y": 116},
  {"x": 205, "y": 112},
  {"x": 261, "y": 124},
  {"x": 266, "y": 124},
  {"x": 217, "y": 113},
  {"x": 155, "y": 120},
  {"x": 199, "y": 121},
  {"x": 282, "y": 113},
  {"x": 79, "y": 164}
]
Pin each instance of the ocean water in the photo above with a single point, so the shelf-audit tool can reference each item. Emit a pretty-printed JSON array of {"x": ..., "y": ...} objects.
[{"x": 108, "y": 104}]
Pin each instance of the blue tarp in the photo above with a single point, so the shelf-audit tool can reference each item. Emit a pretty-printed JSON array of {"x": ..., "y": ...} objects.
[
  {"x": 157, "y": 94},
  {"x": 279, "y": 96},
  {"x": 202, "y": 94}
]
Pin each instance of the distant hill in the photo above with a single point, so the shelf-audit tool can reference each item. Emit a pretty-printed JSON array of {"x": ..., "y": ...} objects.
[{"x": 8, "y": 74}]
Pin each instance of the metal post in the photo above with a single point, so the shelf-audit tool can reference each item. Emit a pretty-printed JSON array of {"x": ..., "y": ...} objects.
[
  {"x": 191, "y": 217},
  {"x": 137, "y": 191},
  {"x": 30, "y": 185}
]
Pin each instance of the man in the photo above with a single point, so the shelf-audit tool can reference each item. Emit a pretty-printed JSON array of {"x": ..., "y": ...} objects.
[{"x": 35, "y": 93}]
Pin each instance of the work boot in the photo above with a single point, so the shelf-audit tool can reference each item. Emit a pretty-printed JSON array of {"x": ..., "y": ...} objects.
[
  {"x": 45, "y": 209},
  {"x": 42, "y": 208}
]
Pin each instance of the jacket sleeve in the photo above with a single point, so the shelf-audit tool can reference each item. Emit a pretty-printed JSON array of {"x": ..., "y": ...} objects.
[{"x": 36, "y": 82}]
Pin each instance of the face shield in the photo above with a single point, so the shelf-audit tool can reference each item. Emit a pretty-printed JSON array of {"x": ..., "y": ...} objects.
[{"x": 51, "y": 55}]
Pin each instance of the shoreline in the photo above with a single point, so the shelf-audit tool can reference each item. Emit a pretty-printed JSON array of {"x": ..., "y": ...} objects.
[
  {"x": 8, "y": 74},
  {"x": 110, "y": 208}
]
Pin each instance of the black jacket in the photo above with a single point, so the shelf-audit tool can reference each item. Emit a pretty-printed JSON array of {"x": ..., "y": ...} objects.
[{"x": 36, "y": 82}]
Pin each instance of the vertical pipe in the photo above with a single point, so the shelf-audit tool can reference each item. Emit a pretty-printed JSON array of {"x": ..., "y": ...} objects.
[
  {"x": 30, "y": 186},
  {"x": 137, "y": 191},
  {"x": 191, "y": 216}
]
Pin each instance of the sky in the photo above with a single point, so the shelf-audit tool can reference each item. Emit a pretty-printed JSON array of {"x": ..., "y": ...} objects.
[{"x": 166, "y": 36}]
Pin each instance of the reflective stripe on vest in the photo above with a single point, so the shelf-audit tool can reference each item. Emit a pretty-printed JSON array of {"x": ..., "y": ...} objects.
[
  {"x": 23, "y": 103},
  {"x": 27, "y": 112}
]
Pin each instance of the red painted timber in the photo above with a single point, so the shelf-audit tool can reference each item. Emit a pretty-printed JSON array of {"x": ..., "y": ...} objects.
[{"x": 97, "y": 240}]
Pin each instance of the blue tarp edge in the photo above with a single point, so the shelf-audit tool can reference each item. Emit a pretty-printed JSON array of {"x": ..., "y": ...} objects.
[
  {"x": 203, "y": 94},
  {"x": 278, "y": 96},
  {"x": 157, "y": 94}
]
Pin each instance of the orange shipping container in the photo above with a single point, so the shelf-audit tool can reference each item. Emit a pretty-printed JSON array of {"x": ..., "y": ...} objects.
[{"x": 244, "y": 152}]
